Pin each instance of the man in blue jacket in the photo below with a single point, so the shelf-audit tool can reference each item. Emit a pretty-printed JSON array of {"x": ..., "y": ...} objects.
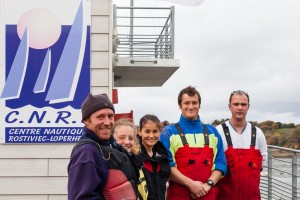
[
  {"x": 99, "y": 168},
  {"x": 195, "y": 152}
]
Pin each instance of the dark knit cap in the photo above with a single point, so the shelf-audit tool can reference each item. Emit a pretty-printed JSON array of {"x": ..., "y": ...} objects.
[{"x": 93, "y": 103}]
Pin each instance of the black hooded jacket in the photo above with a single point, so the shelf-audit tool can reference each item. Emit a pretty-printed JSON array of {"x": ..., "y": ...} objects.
[{"x": 156, "y": 170}]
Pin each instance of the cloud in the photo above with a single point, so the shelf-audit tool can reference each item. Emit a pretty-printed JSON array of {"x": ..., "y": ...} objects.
[{"x": 223, "y": 46}]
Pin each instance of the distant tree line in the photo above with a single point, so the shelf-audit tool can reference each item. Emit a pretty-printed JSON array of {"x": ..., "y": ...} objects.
[{"x": 277, "y": 133}]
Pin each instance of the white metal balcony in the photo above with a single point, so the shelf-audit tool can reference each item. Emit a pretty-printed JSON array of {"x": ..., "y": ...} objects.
[{"x": 143, "y": 46}]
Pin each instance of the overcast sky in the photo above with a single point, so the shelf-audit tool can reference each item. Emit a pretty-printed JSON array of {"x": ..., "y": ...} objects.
[{"x": 227, "y": 45}]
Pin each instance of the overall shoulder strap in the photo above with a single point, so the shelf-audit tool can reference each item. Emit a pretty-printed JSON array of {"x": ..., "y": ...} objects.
[
  {"x": 183, "y": 138},
  {"x": 253, "y": 135},
  {"x": 104, "y": 150},
  {"x": 227, "y": 134},
  {"x": 181, "y": 134},
  {"x": 205, "y": 134},
  {"x": 82, "y": 142}
]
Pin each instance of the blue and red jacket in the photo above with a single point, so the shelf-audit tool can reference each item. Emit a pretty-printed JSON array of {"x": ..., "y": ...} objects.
[{"x": 194, "y": 153}]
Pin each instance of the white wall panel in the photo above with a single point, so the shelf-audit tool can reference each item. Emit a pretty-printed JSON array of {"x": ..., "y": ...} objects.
[
  {"x": 33, "y": 185},
  {"x": 100, "y": 24},
  {"x": 100, "y": 7},
  {"x": 23, "y": 197},
  {"x": 99, "y": 77},
  {"x": 99, "y": 42},
  {"x": 58, "y": 197},
  {"x": 58, "y": 167},
  {"x": 35, "y": 150},
  {"x": 99, "y": 90},
  {"x": 23, "y": 167},
  {"x": 33, "y": 197},
  {"x": 99, "y": 59}
]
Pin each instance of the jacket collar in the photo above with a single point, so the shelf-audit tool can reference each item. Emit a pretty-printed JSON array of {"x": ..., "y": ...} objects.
[
  {"x": 186, "y": 121},
  {"x": 87, "y": 133}
]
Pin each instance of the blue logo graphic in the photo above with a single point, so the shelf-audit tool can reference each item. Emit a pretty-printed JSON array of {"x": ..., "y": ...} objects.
[{"x": 54, "y": 74}]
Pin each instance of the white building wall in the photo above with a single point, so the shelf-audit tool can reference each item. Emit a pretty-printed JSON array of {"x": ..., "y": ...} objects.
[{"x": 39, "y": 171}]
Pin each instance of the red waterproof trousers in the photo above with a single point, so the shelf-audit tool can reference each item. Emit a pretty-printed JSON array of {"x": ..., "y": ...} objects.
[
  {"x": 243, "y": 175},
  {"x": 195, "y": 163}
]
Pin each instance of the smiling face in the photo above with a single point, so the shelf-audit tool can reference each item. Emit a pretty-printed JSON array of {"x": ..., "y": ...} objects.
[
  {"x": 239, "y": 106},
  {"x": 190, "y": 106},
  {"x": 124, "y": 136},
  {"x": 150, "y": 133},
  {"x": 101, "y": 122}
]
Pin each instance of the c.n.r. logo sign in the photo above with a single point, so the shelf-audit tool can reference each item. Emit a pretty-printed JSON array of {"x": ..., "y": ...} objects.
[{"x": 44, "y": 69}]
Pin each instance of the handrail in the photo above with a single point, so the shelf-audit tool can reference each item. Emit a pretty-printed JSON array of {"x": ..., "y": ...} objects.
[
  {"x": 139, "y": 29},
  {"x": 277, "y": 182},
  {"x": 284, "y": 148}
]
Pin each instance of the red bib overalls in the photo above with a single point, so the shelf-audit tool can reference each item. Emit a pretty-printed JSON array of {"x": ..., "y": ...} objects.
[
  {"x": 195, "y": 163},
  {"x": 243, "y": 171}
]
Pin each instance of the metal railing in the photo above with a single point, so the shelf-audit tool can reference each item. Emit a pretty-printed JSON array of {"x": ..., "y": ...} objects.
[
  {"x": 144, "y": 31},
  {"x": 280, "y": 175}
]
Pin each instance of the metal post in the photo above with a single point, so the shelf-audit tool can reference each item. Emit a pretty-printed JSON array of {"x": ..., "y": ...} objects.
[
  {"x": 115, "y": 16},
  {"x": 294, "y": 176},
  {"x": 131, "y": 28},
  {"x": 172, "y": 30},
  {"x": 269, "y": 174}
]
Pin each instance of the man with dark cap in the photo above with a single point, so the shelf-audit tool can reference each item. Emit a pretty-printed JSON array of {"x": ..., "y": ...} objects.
[{"x": 99, "y": 168}]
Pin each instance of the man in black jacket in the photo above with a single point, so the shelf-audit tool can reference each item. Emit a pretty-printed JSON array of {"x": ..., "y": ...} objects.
[{"x": 99, "y": 168}]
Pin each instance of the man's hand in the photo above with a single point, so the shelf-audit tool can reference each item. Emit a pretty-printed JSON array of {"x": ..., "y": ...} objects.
[
  {"x": 195, "y": 186},
  {"x": 199, "y": 189},
  {"x": 206, "y": 187}
]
